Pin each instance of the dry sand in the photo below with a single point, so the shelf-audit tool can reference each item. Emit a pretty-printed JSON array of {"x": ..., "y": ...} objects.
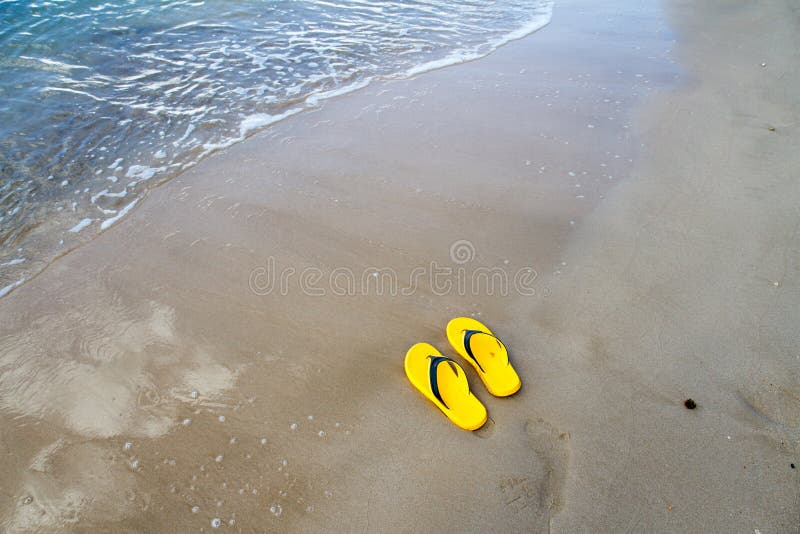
[{"x": 633, "y": 168}]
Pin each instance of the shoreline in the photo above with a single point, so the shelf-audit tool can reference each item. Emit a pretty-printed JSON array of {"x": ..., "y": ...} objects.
[
  {"x": 143, "y": 375},
  {"x": 249, "y": 126}
]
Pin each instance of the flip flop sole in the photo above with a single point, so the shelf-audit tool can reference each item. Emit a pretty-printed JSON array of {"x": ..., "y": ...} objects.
[
  {"x": 454, "y": 399},
  {"x": 500, "y": 379}
]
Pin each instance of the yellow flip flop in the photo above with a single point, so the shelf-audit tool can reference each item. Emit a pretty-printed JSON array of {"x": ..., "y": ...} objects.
[
  {"x": 475, "y": 342},
  {"x": 444, "y": 385}
]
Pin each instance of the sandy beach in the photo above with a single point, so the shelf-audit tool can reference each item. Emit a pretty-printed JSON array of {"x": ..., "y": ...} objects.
[{"x": 616, "y": 195}]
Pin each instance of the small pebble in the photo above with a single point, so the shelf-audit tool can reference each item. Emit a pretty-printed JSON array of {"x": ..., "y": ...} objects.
[
  {"x": 690, "y": 404},
  {"x": 221, "y": 418},
  {"x": 216, "y": 522},
  {"x": 186, "y": 422},
  {"x": 127, "y": 446},
  {"x": 194, "y": 394},
  {"x": 29, "y": 499},
  {"x": 263, "y": 441}
]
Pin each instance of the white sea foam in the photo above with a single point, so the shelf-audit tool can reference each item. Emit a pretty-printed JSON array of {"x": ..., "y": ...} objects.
[
  {"x": 261, "y": 120},
  {"x": 143, "y": 172},
  {"x": 81, "y": 225},
  {"x": 539, "y": 21},
  {"x": 316, "y": 98},
  {"x": 124, "y": 211},
  {"x": 10, "y": 287},
  {"x": 105, "y": 193},
  {"x": 15, "y": 261}
]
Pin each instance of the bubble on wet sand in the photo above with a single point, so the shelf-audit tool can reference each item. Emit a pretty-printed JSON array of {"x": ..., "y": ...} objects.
[
  {"x": 186, "y": 422},
  {"x": 219, "y": 458},
  {"x": 263, "y": 441},
  {"x": 276, "y": 509},
  {"x": 216, "y": 522},
  {"x": 221, "y": 418},
  {"x": 233, "y": 440},
  {"x": 293, "y": 426},
  {"x": 135, "y": 464},
  {"x": 321, "y": 433},
  {"x": 128, "y": 445},
  {"x": 194, "y": 394},
  {"x": 195, "y": 509}
]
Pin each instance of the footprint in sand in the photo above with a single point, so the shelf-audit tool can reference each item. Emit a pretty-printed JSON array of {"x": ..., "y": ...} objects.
[
  {"x": 780, "y": 405},
  {"x": 544, "y": 489}
]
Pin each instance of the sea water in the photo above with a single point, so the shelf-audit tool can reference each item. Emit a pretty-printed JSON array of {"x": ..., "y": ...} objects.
[{"x": 100, "y": 100}]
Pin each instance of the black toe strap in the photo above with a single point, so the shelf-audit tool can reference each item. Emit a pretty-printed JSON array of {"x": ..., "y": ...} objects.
[
  {"x": 434, "y": 380},
  {"x": 467, "y": 337}
]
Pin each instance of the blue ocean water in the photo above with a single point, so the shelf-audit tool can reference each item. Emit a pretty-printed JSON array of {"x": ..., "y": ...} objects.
[{"x": 100, "y": 100}]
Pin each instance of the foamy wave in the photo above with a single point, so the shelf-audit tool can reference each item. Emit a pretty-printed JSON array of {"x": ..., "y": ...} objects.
[
  {"x": 123, "y": 212},
  {"x": 539, "y": 21},
  {"x": 315, "y": 98},
  {"x": 81, "y": 225},
  {"x": 10, "y": 287}
]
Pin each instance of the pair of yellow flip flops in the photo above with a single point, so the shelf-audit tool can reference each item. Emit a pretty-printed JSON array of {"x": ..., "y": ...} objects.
[{"x": 442, "y": 381}]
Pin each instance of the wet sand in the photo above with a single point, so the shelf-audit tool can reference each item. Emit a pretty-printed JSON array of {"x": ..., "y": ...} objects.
[{"x": 627, "y": 173}]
